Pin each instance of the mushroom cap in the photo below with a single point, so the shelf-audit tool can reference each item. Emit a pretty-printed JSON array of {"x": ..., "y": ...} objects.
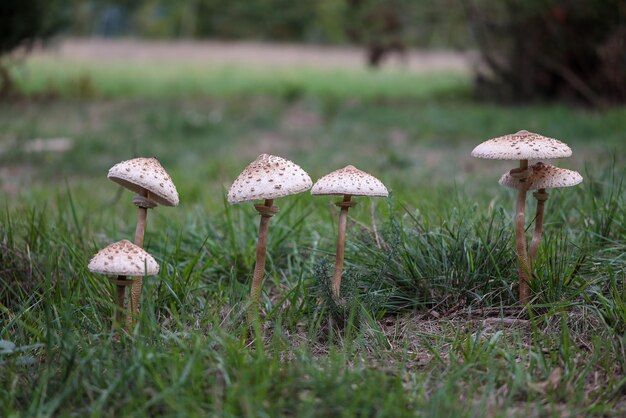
[
  {"x": 349, "y": 181},
  {"x": 522, "y": 145},
  {"x": 544, "y": 176},
  {"x": 123, "y": 258},
  {"x": 268, "y": 177},
  {"x": 146, "y": 173}
]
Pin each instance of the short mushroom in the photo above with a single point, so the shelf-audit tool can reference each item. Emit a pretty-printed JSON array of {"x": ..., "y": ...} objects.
[
  {"x": 147, "y": 178},
  {"x": 266, "y": 178},
  {"x": 543, "y": 176},
  {"x": 347, "y": 182},
  {"x": 124, "y": 260},
  {"x": 522, "y": 146}
]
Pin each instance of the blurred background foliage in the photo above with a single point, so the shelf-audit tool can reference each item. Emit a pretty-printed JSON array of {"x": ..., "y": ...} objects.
[
  {"x": 418, "y": 23},
  {"x": 573, "y": 50},
  {"x": 570, "y": 50}
]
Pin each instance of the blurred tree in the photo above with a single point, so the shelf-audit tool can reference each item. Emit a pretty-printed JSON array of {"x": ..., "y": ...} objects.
[
  {"x": 380, "y": 26},
  {"x": 571, "y": 50},
  {"x": 384, "y": 27},
  {"x": 331, "y": 17},
  {"x": 280, "y": 20},
  {"x": 363, "y": 22},
  {"x": 22, "y": 24}
]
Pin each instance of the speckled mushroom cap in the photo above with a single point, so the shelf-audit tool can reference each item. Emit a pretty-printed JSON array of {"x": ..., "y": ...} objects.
[
  {"x": 522, "y": 145},
  {"x": 544, "y": 176},
  {"x": 349, "y": 181},
  {"x": 148, "y": 174},
  {"x": 123, "y": 258},
  {"x": 268, "y": 177}
]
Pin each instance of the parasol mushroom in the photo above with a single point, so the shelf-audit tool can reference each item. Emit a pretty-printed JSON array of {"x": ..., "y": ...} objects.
[
  {"x": 266, "y": 178},
  {"x": 543, "y": 176},
  {"x": 147, "y": 178},
  {"x": 522, "y": 146},
  {"x": 347, "y": 182},
  {"x": 124, "y": 260}
]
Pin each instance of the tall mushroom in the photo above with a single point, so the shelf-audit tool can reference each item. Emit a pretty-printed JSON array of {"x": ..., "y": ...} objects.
[
  {"x": 522, "y": 146},
  {"x": 347, "y": 182},
  {"x": 266, "y": 178},
  {"x": 543, "y": 176},
  {"x": 147, "y": 178},
  {"x": 124, "y": 260}
]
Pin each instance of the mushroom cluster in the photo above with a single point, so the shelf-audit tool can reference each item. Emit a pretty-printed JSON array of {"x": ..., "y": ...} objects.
[
  {"x": 147, "y": 178},
  {"x": 270, "y": 177},
  {"x": 525, "y": 146}
]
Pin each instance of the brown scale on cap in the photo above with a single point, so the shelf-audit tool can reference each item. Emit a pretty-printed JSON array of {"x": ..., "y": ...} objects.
[
  {"x": 268, "y": 177},
  {"x": 522, "y": 145},
  {"x": 141, "y": 174},
  {"x": 123, "y": 258},
  {"x": 544, "y": 176},
  {"x": 349, "y": 181}
]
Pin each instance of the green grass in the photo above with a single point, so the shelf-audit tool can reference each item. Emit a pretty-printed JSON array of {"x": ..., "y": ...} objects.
[
  {"x": 170, "y": 79},
  {"x": 432, "y": 329}
]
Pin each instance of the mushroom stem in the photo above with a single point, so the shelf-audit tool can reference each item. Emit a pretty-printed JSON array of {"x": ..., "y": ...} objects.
[
  {"x": 266, "y": 210},
  {"x": 120, "y": 284},
  {"x": 135, "y": 289},
  {"x": 341, "y": 242},
  {"x": 121, "y": 293},
  {"x": 520, "y": 240},
  {"x": 541, "y": 197},
  {"x": 142, "y": 215}
]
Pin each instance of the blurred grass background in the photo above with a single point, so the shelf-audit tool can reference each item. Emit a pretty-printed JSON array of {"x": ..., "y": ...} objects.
[{"x": 118, "y": 79}]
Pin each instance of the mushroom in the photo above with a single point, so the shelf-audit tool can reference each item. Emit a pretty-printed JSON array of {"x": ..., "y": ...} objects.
[
  {"x": 543, "y": 176},
  {"x": 153, "y": 186},
  {"x": 123, "y": 259},
  {"x": 266, "y": 178},
  {"x": 347, "y": 182},
  {"x": 522, "y": 146}
]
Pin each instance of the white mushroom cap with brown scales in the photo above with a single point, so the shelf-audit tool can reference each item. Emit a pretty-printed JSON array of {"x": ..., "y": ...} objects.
[
  {"x": 349, "y": 181},
  {"x": 123, "y": 258},
  {"x": 269, "y": 177},
  {"x": 544, "y": 176},
  {"x": 522, "y": 145},
  {"x": 148, "y": 174}
]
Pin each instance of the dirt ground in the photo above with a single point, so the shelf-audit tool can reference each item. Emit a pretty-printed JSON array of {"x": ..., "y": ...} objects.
[{"x": 246, "y": 53}]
